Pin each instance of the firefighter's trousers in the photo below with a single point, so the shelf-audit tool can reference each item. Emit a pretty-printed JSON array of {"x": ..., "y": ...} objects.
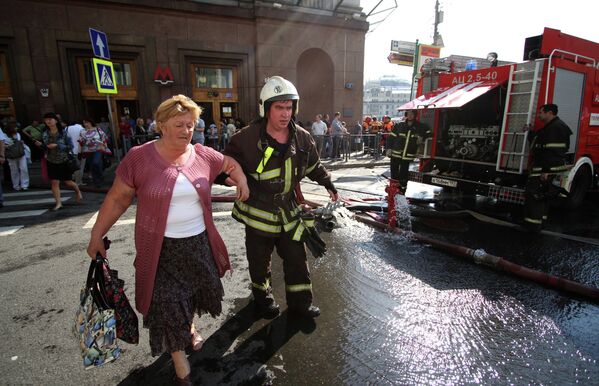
[
  {"x": 298, "y": 287},
  {"x": 535, "y": 205},
  {"x": 400, "y": 171}
]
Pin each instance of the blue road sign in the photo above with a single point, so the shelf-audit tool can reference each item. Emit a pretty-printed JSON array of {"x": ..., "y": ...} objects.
[{"x": 99, "y": 43}]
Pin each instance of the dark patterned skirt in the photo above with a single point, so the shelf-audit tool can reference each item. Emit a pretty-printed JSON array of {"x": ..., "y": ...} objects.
[
  {"x": 60, "y": 172},
  {"x": 187, "y": 282}
]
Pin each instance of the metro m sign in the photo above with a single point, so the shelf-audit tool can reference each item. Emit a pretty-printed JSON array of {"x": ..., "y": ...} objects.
[{"x": 163, "y": 76}]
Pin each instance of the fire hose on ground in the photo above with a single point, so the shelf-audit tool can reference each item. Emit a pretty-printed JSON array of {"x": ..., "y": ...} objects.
[{"x": 479, "y": 256}]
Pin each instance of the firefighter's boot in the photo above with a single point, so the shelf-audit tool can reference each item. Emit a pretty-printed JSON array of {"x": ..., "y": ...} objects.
[
  {"x": 310, "y": 312},
  {"x": 266, "y": 308}
]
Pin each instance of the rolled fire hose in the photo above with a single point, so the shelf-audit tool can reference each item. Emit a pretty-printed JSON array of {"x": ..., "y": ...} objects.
[{"x": 479, "y": 256}]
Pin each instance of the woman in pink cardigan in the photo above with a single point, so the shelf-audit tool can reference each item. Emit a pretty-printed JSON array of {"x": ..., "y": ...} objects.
[{"x": 180, "y": 255}]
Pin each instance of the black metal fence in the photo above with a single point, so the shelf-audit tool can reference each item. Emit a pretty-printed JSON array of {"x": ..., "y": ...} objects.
[
  {"x": 346, "y": 146},
  {"x": 343, "y": 147}
]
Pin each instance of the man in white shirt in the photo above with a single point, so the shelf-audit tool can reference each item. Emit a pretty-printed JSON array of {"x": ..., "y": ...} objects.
[
  {"x": 74, "y": 132},
  {"x": 319, "y": 129}
]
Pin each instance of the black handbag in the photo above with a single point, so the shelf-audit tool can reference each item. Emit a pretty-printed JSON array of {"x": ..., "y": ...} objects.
[
  {"x": 72, "y": 162},
  {"x": 16, "y": 150}
]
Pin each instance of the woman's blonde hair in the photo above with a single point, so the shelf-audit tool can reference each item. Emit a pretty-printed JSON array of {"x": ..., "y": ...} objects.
[{"x": 174, "y": 106}]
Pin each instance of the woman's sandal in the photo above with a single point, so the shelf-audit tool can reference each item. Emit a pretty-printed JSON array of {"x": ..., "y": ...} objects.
[
  {"x": 183, "y": 381},
  {"x": 196, "y": 341}
]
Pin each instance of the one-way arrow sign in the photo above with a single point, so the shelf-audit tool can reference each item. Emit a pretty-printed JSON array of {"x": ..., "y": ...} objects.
[{"x": 99, "y": 43}]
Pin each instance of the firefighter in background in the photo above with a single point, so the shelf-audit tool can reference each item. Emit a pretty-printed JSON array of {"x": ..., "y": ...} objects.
[
  {"x": 549, "y": 146},
  {"x": 365, "y": 131},
  {"x": 275, "y": 155},
  {"x": 402, "y": 146},
  {"x": 366, "y": 124},
  {"x": 387, "y": 128}
]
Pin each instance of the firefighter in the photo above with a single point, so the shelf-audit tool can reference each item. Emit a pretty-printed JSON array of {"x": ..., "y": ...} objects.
[
  {"x": 387, "y": 128},
  {"x": 549, "y": 146},
  {"x": 402, "y": 145},
  {"x": 275, "y": 155}
]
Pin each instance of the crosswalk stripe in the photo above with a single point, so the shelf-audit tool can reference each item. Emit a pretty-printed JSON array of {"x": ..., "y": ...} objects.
[
  {"x": 34, "y": 193},
  {"x": 90, "y": 223},
  {"x": 6, "y": 231},
  {"x": 22, "y": 213},
  {"x": 35, "y": 201}
]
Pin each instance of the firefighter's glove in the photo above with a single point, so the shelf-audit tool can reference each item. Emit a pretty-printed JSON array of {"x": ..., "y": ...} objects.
[
  {"x": 310, "y": 235},
  {"x": 315, "y": 244},
  {"x": 388, "y": 153}
]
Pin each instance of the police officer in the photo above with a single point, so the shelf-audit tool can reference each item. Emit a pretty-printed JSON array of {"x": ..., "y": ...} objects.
[
  {"x": 402, "y": 145},
  {"x": 275, "y": 155},
  {"x": 549, "y": 146}
]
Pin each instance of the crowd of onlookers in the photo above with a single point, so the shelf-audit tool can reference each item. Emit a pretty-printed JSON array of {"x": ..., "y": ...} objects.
[
  {"x": 217, "y": 137},
  {"x": 90, "y": 142},
  {"x": 334, "y": 139},
  {"x": 93, "y": 143}
]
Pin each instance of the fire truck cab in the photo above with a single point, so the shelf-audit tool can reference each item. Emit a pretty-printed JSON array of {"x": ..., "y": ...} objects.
[{"x": 481, "y": 119}]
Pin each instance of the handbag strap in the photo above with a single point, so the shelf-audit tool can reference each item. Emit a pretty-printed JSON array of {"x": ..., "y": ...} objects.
[{"x": 95, "y": 285}]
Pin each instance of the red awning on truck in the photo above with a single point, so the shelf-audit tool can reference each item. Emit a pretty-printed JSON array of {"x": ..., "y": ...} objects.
[{"x": 450, "y": 97}]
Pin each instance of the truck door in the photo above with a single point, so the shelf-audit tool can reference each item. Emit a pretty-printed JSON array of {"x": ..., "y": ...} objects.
[{"x": 567, "y": 95}]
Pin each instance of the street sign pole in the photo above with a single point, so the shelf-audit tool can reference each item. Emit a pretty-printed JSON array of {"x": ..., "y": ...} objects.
[
  {"x": 416, "y": 55},
  {"x": 105, "y": 81},
  {"x": 115, "y": 140}
]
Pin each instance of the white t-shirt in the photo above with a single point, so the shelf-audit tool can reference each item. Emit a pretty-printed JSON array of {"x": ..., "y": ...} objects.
[
  {"x": 185, "y": 213},
  {"x": 319, "y": 128},
  {"x": 74, "y": 133}
]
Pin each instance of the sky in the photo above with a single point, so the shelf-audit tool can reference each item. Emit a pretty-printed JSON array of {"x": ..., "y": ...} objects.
[{"x": 473, "y": 27}]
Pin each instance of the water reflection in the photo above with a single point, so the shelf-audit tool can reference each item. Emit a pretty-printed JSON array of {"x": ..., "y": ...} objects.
[{"x": 412, "y": 315}]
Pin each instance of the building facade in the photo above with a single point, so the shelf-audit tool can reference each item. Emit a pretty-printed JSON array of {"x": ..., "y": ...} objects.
[
  {"x": 384, "y": 95},
  {"x": 216, "y": 52}
]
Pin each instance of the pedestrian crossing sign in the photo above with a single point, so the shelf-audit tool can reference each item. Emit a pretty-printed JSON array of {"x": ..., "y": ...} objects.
[{"x": 105, "y": 81}]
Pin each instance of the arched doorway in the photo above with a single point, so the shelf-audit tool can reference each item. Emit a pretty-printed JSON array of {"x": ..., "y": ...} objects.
[{"x": 315, "y": 84}]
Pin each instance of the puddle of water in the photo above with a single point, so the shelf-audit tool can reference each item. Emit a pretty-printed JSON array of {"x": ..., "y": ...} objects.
[{"x": 404, "y": 313}]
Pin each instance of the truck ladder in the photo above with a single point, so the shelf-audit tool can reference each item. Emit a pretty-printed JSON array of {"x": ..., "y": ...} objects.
[{"x": 519, "y": 113}]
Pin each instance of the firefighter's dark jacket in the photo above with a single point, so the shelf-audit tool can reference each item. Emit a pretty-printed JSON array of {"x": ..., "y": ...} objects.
[
  {"x": 549, "y": 146},
  {"x": 272, "y": 177},
  {"x": 403, "y": 139}
]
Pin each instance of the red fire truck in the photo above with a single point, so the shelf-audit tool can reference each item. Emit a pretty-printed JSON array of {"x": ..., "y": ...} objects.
[{"x": 481, "y": 119}]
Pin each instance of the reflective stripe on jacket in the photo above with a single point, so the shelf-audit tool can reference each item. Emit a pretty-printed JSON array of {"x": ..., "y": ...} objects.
[
  {"x": 549, "y": 146},
  {"x": 403, "y": 140},
  {"x": 271, "y": 207}
]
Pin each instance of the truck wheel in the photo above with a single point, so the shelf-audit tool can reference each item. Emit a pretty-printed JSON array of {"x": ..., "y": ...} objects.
[{"x": 580, "y": 186}]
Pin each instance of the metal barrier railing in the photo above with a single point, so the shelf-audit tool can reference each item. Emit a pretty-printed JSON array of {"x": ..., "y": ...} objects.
[
  {"x": 344, "y": 147},
  {"x": 349, "y": 145}
]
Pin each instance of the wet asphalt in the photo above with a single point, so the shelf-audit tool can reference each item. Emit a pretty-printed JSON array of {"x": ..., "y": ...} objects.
[{"x": 394, "y": 311}]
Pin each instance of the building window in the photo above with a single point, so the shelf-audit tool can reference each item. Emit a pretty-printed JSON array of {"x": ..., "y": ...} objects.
[
  {"x": 122, "y": 74},
  {"x": 210, "y": 77},
  {"x": 88, "y": 72}
]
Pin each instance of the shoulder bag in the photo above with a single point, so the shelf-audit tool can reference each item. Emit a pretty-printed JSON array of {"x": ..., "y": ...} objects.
[{"x": 16, "y": 150}]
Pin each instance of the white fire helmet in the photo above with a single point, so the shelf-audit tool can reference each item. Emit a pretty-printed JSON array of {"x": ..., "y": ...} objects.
[{"x": 277, "y": 88}]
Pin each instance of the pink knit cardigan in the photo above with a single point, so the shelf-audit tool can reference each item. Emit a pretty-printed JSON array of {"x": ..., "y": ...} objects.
[{"x": 154, "y": 179}]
